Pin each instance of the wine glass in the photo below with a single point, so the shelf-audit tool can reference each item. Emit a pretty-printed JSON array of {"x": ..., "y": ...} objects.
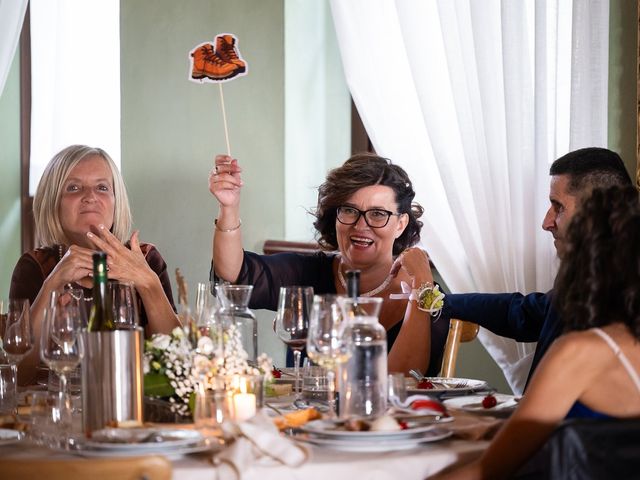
[
  {"x": 329, "y": 341},
  {"x": 61, "y": 346},
  {"x": 18, "y": 337},
  {"x": 124, "y": 303},
  {"x": 292, "y": 322},
  {"x": 75, "y": 299}
]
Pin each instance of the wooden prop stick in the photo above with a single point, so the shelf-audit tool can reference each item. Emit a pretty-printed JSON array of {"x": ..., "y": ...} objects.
[
  {"x": 217, "y": 62},
  {"x": 224, "y": 120}
]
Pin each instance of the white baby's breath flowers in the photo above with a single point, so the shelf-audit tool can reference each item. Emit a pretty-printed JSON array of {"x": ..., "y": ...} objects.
[{"x": 185, "y": 367}]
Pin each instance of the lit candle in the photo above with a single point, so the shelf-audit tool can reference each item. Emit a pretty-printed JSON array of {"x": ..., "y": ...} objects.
[{"x": 244, "y": 406}]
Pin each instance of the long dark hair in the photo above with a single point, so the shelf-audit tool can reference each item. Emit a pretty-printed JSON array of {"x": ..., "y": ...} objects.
[
  {"x": 599, "y": 278},
  {"x": 363, "y": 170}
]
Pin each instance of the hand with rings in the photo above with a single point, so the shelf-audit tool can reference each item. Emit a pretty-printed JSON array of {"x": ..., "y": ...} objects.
[{"x": 225, "y": 181}]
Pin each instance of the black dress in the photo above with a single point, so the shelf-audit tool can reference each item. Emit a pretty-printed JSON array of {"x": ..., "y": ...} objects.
[{"x": 267, "y": 273}]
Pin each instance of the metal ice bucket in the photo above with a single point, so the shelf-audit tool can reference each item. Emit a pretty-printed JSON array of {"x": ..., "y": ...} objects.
[{"x": 112, "y": 379}]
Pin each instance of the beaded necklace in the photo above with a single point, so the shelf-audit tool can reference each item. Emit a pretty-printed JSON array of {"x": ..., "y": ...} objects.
[{"x": 370, "y": 293}]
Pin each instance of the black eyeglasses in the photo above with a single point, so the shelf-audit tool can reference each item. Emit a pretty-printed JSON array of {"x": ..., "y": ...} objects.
[{"x": 374, "y": 217}]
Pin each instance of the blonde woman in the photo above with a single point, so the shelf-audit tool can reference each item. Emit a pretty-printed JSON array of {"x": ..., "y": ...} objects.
[{"x": 81, "y": 206}]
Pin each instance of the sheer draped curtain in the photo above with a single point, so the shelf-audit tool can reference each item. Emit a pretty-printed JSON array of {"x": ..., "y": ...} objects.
[
  {"x": 475, "y": 100},
  {"x": 11, "y": 18},
  {"x": 75, "y": 84}
]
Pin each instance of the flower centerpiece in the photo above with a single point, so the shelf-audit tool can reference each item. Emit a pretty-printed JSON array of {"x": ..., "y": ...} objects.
[{"x": 175, "y": 371}]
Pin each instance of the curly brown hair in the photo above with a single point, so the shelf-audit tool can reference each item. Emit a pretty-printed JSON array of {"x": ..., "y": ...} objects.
[
  {"x": 359, "y": 171},
  {"x": 599, "y": 278}
]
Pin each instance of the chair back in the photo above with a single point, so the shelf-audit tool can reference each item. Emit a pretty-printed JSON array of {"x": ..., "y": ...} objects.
[
  {"x": 130, "y": 468},
  {"x": 459, "y": 331}
]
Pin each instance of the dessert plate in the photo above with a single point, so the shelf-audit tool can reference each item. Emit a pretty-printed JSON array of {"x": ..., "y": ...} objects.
[
  {"x": 505, "y": 405},
  {"x": 336, "y": 430},
  {"x": 447, "y": 385},
  {"x": 376, "y": 445}
]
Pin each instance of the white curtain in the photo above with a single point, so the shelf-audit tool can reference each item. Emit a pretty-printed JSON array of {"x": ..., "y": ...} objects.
[
  {"x": 75, "y": 85},
  {"x": 11, "y": 17},
  {"x": 476, "y": 99}
]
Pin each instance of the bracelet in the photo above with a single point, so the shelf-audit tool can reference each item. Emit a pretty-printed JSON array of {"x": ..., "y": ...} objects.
[{"x": 227, "y": 230}]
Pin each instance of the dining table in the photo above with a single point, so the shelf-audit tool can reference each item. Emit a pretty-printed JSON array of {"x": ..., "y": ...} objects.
[
  {"x": 323, "y": 463},
  {"x": 466, "y": 437}
]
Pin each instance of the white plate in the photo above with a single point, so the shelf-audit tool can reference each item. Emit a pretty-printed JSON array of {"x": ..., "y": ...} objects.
[
  {"x": 421, "y": 418},
  {"x": 330, "y": 429},
  {"x": 446, "y": 384},
  {"x": 8, "y": 436},
  {"x": 132, "y": 439},
  {"x": 376, "y": 445},
  {"x": 159, "y": 449},
  {"x": 473, "y": 403}
]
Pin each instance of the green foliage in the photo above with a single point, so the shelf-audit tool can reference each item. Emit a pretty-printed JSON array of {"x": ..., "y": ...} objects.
[{"x": 157, "y": 385}]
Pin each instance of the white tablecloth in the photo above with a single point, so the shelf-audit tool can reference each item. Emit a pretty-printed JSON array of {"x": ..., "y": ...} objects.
[
  {"x": 333, "y": 465},
  {"x": 324, "y": 464}
]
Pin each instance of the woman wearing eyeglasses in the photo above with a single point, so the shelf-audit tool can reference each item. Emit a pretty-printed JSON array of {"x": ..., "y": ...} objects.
[{"x": 365, "y": 219}]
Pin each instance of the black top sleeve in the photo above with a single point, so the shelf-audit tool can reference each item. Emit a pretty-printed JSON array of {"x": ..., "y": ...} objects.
[{"x": 267, "y": 273}]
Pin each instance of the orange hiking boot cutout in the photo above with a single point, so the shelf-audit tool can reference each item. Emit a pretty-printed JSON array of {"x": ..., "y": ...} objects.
[
  {"x": 226, "y": 50},
  {"x": 207, "y": 64}
]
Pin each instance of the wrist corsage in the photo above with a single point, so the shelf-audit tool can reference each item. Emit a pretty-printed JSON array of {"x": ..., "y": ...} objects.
[{"x": 428, "y": 297}]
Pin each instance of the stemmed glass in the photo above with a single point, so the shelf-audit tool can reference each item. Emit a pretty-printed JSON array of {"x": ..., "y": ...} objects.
[
  {"x": 292, "y": 322},
  {"x": 124, "y": 303},
  {"x": 329, "y": 342},
  {"x": 61, "y": 346},
  {"x": 18, "y": 339}
]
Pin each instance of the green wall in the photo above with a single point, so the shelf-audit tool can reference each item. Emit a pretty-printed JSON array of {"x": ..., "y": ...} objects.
[
  {"x": 623, "y": 35},
  {"x": 9, "y": 177}
]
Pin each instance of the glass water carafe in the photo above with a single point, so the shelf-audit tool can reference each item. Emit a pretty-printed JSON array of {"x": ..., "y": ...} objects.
[
  {"x": 234, "y": 310},
  {"x": 363, "y": 379}
]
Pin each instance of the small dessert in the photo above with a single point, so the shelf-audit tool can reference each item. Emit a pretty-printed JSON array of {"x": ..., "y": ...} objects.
[
  {"x": 425, "y": 385},
  {"x": 384, "y": 423},
  {"x": 353, "y": 425},
  {"x": 489, "y": 401},
  {"x": 278, "y": 390},
  {"x": 435, "y": 406},
  {"x": 297, "y": 418}
]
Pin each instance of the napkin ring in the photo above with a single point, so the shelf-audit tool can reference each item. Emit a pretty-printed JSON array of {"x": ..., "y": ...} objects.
[{"x": 227, "y": 230}]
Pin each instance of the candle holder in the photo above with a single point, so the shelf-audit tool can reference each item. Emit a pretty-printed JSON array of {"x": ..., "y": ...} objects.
[{"x": 243, "y": 395}]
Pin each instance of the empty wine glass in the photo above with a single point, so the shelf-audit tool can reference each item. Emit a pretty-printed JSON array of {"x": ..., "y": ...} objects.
[
  {"x": 73, "y": 299},
  {"x": 292, "y": 322},
  {"x": 61, "y": 345},
  {"x": 329, "y": 341},
  {"x": 124, "y": 303},
  {"x": 17, "y": 340}
]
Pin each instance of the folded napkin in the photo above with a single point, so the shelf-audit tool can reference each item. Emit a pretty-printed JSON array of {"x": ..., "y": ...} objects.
[
  {"x": 473, "y": 427},
  {"x": 256, "y": 440}
]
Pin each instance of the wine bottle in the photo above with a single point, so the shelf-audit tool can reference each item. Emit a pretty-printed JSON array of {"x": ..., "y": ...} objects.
[
  {"x": 353, "y": 291},
  {"x": 353, "y": 283},
  {"x": 101, "y": 317}
]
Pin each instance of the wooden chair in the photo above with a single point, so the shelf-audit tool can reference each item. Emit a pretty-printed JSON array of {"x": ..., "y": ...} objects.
[
  {"x": 130, "y": 468},
  {"x": 459, "y": 331}
]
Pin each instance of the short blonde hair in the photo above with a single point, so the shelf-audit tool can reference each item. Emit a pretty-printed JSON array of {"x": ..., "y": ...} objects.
[{"x": 46, "y": 203}]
